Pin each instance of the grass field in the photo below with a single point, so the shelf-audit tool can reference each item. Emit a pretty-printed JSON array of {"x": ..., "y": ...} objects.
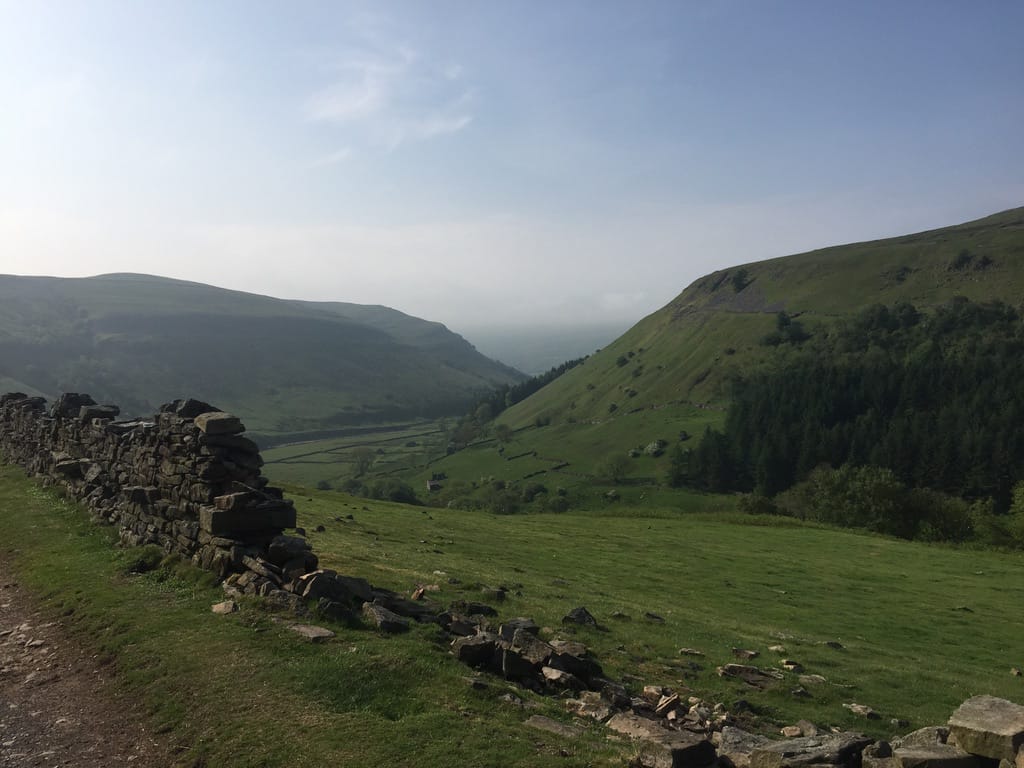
[
  {"x": 403, "y": 448},
  {"x": 922, "y": 627}
]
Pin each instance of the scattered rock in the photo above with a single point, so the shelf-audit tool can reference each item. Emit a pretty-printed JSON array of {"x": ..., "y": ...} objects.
[
  {"x": 812, "y": 680},
  {"x": 385, "y": 620},
  {"x": 742, "y": 653},
  {"x": 312, "y": 633},
  {"x": 758, "y": 678},
  {"x": 580, "y": 616},
  {"x": 863, "y": 710},
  {"x": 690, "y": 652},
  {"x": 224, "y": 608}
]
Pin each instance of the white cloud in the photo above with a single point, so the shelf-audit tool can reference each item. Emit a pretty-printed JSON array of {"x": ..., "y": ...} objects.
[{"x": 389, "y": 95}]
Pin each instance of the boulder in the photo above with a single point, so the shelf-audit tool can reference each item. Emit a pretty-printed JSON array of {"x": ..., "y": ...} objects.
[
  {"x": 511, "y": 626},
  {"x": 284, "y": 548},
  {"x": 580, "y": 616},
  {"x": 559, "y": 680},
  {"x": 219, "y": 423},
  {"x": 988, "y": 726},
  {"x": 935, "y": 756},
  {"x": 514, "y": 666},
  {"x": 831, "y": 749},
  {"x": 658, "y": 747},
  {"x": 531, "y": 647},
  {"x": 385, "y": 620},
  {"x": 341, "y": 589},
  {"x": 932, "y": 736},
  {"x": 736, "y": 745},
  {"x": 476, "y": 651}
]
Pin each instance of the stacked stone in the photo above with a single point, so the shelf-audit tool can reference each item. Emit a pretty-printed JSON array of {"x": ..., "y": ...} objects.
[{"x": 187, "y": 480}]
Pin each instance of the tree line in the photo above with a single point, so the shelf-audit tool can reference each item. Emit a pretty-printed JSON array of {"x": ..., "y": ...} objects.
[{"x": 922, "y": 401}]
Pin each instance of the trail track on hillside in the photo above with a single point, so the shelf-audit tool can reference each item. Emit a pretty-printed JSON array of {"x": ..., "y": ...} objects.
[{"x": 58, "y": 703}]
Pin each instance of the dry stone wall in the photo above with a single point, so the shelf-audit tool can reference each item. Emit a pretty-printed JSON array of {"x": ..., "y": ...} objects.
[{"x": 186, "y": 480}]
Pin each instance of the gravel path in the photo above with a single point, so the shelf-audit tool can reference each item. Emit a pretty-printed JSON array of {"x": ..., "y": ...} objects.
[{"x": 58, "y": 704}]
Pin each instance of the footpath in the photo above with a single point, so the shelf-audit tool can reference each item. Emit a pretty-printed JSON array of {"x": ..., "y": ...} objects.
[{"x": 59, "y": 705}]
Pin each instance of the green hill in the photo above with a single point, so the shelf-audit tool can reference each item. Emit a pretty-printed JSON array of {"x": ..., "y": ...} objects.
[
  {"x": 284, "y": 366},
  {"x": 688, "y": 349},
  {"x": 670, "y": 373}
]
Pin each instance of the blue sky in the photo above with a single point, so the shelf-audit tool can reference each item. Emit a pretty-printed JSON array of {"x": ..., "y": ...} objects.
[{"x": 484, "y": 163}]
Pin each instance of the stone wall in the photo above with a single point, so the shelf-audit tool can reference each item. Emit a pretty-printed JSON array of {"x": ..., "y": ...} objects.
[{"x": 186, "y": 480}]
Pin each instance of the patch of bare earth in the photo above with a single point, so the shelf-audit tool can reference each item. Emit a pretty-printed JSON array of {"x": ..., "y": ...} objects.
[{"x": 58, "y": 704}]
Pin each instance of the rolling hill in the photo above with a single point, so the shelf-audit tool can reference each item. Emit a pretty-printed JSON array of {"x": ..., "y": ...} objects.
[
  {"x": 686, "y": 351},
  {"x": 284, "y": 366},
  {"x": 669, "y": 376}
]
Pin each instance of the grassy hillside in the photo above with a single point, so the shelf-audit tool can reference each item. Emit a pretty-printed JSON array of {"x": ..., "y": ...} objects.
[
  {"x": 688, "y": 349},
  {"x": 282, "y": 365},
  {"x": 670, "y": 373},
  {"x": 921, "y": 628}
]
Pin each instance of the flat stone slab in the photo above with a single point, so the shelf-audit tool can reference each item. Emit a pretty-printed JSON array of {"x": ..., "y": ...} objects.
[
  {"x": 217, "y": 522},
  {"x": 312, "y": 633},
  {"x": 659, "y": 747},
  {"x": 989, "y": 726},
  {"x": 831, "y": 749},
  {"x": 219, "y": 423},
  {"x": 937, "y": 756}
]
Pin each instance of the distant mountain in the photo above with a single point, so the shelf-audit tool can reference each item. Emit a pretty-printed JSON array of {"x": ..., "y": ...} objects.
[
  {"x": 722, "y": 324},
  {"x": 284, "y": 366}
]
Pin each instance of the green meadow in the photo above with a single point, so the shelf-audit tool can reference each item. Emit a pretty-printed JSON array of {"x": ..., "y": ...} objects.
[{"x": 920, "y": 627}]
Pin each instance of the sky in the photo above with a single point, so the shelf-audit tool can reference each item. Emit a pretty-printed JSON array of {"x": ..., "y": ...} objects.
[{"x": 494, "y": 164}]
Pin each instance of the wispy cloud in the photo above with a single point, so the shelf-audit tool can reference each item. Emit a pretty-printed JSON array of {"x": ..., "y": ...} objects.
[{"x": 387, "y": 95}]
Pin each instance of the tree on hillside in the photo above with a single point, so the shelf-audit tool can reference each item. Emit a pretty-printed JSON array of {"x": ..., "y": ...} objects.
[
  {"x": 503, "y": 433},
  {"x": 678, "y": 466},
  {"x": 363, "y": 457}
]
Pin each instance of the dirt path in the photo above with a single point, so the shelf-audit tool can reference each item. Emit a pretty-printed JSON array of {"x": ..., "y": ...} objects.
[{"x": 58, "y": 705}]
